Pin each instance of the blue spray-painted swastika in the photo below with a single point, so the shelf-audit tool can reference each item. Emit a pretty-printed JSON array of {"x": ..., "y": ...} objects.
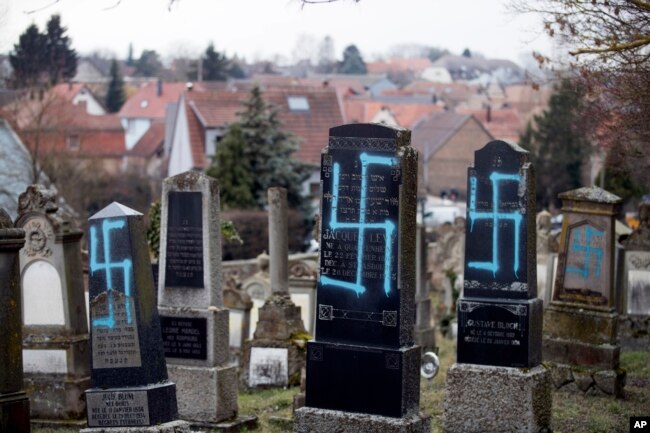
[
  {"x": 495, "y": 216},
  {"x": 388, "y": 226},
  {"x": 588, "y": 251},
  {"x": 108, "y": 266}
]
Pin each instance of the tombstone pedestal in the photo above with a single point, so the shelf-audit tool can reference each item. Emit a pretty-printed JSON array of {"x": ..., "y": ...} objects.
[
  {"x": 313, "y": 420},
  {"x": 168, "y": 427},
  {"x": 487, "y": 399}
]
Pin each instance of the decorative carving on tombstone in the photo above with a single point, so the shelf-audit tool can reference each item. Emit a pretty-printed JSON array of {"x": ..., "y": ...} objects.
[
  {"x": 499, "y": 316},
  {"x": 130, "y": 386},
  {"x": 580, "y": 324},
  {"x": 14, "y": 403},
  {"x": 195, "y": 324},
  {"x": 56, "y": 341},
  {"x": 363, "y": 366}
]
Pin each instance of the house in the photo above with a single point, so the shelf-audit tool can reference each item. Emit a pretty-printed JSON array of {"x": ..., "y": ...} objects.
[
  {"x": 148, "y": 158},
  {"x": 502, "y": 123},
  {"x": 77, "y": 93},
  {"x": 203, "y": 116},
  {"x": 389, "y": 111},
  {"x": 480, "y": 69},
  {"x": 414, "y": 66},
  {"x": 147, "y": 105},
  {"x": 446, "y": 143}
]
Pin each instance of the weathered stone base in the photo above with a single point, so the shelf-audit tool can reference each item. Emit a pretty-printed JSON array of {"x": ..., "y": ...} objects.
[
  {"x": 601, "y": 356},
  {"x": 205, "y": 394},
  {"x": 296, "y": 358},
  {"x": 55, "y": 424},
  {"x": 588, "y": 381},
  {"x": 426, "y": 339},
  {"x": 312, "y": 420},
  {"x": 486, "y": 399},
  {"x": 14, "y": 413},
  {"x": 56, "y": 396},
  {"x": 168, "y": 427},
  {"x": 241, "y": 423}
]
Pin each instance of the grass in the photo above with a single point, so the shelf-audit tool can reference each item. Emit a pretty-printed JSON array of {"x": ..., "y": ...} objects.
[{"x": 572, "y": 413}]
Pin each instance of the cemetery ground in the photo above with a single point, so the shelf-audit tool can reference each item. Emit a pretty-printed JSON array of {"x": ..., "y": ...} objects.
[{"x": 572, "y": 413}]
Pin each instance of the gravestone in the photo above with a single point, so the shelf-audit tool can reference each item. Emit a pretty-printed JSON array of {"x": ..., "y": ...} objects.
[
  {"x": 240, "y": 305},
  {"x": 190, "y": 300},
  {"x": 498, "y": 367},
  {"x": 274, "y": 357},
  {"x": 130, "y": 387},
  {"x": 425, "y": 333},
  {"x": 363, "y": 366},
  {"x": 580, "y": 324},
  {"x": 56, "y": 344},
  {"x": 14, "y": 403}
]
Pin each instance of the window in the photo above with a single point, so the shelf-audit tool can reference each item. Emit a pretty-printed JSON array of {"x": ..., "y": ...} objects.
[
  {"x": 298, "y": 103},
  {"x": 73, "y": 142}
]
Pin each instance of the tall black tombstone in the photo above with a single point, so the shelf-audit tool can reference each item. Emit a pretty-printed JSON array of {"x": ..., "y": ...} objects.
[
  {"x": 499, "y": 316},
  {"x": 128, "y": 371},
  {"x": 363, "y": 367}
]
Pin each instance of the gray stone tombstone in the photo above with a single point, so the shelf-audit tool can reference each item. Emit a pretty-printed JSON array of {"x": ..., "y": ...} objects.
[
  {"x": 14, "y": 403},
  {"x": 56, "y": 344},
  {"x": 272, "y": 358},
  {"x": 130, "y": 386},
  {"x": 425, "y": 333},
  {"x": 580, "y": 324},
  {"x": 634, "y": 284},
  {"x": 498, "y": 383},
  {"x": 363, "y": 366},
  {"x": 195, "y": 324}
]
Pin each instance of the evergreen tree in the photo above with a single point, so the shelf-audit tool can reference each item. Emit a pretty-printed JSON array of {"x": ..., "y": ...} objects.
[
  {"x": 149, "y": 64},
  {"x": 352, "y": 61},
  {"x": 115, "y": 96},
  {"x": 216, "y": 65},
  {"x": 62, "y": 59},
  {"x": 255, "y": 154},
  {"x": 467, "y": 53},
  {"x": 558, "y": 143},
  {"x": 28, "y": 58}
]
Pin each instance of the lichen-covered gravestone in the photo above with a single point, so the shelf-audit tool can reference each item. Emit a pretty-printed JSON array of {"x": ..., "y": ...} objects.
[
  {"x": 56, "y": 344},
  {"x": 190, "y": 300},
  {"x": 129, "y": 376},
  {"x": 14, "y": 403},
  {"x": 498, "y": 384},
  {"x": 363, "y": 367},
  {"x": 580, "y": 324}
]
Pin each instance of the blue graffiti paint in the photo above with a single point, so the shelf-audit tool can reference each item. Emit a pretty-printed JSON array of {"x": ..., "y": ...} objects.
[
  {"x": 496, "y": 216},
  {"x": 388, "y": 226},
  {"x": 108, "y": 266},
  {"x": 588, "y": 251}
]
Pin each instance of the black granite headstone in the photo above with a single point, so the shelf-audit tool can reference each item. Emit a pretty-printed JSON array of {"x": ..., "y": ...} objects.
[
  {"x": 129, "y": 374},
  {"x": 185, "y": 337},
  {"x": 499, "y": 319},
  {"x": 184, "y": 264},
  {"x": 363, "y": 359}
]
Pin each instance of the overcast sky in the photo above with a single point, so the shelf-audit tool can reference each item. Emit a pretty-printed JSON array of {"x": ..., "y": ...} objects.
[{"x": 258, "y": 29}]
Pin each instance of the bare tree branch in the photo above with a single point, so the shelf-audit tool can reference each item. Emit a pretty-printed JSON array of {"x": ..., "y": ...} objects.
[{"x": 41, "y": 8}]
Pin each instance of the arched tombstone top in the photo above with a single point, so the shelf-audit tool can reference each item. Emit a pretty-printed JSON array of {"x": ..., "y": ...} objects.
[
  {"x": 502, "y": 155},
  {"x": 39, "y": 200}
]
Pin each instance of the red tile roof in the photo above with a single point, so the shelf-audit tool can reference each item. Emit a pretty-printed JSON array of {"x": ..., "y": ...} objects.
[
  {"x": 504, "y": 123},
  {"x": 217, "y": 109},
  {"x": 406, "y": 114},
  {"x": 150, "y": 142},
  {"x": 147, "y": 104}
]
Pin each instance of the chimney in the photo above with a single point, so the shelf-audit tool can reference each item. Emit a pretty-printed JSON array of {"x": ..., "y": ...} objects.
[
  {"x": 159, "y": 89},
  {"x": 488, "y": 114}
]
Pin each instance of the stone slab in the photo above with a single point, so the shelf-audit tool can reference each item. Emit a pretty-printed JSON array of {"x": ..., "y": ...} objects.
[
  {"x": 603, "y": 356},
  {"x": 312, "y": 420},
  {"x": 205, "y": 394},
  {"x": 296, "y": 358},
  {"x": 240, "y": 424},
  {"x": 506, "y": 333},
  {"x": 589, "y": 381},
  {"x": 362, "y": 379},
  {"x": 132, "y": 407},
  {"x": 485, "y": 399},
  {"x": 168, "y": 427},
  {"x": 14, "y": 413},
  {"x": 57, "y": 396},
  {"x": 587, "y": 326},
  {"x": 75, "y": 347},
  {"x": 215, "y": 344}
]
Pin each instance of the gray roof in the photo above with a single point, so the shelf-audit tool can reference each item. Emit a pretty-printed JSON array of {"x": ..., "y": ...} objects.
[
  {"x": 15, "y": 169},
  {"x": 430, "y": 134}
]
